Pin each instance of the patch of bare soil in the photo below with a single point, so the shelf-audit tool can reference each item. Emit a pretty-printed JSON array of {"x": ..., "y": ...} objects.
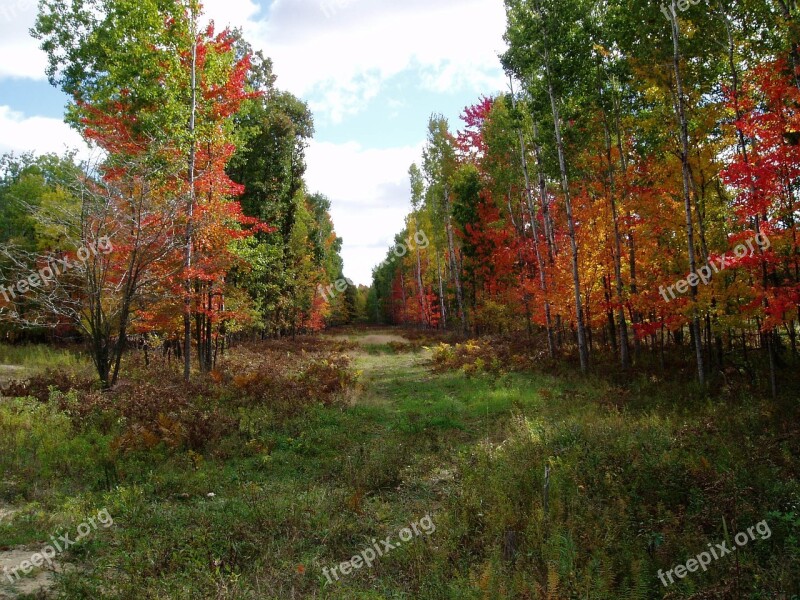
[{"x": 38, "y": 580}]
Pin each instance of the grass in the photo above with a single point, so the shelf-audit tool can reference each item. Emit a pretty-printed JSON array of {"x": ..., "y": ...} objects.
[
  {"x": 40, "y": 357},
  {"x": 640, "y": 478}
]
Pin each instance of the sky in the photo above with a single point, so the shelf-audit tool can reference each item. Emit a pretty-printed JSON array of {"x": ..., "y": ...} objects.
[{"x": 372, "y": 72}]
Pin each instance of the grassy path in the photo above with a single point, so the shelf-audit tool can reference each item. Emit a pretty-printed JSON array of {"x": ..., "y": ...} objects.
[
  {"x": 638, "y": 476},
  {"x": 307, "y": 494}
]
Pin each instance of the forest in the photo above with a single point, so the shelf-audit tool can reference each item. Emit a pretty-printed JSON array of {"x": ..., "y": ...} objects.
[
  {"x": 212, "y": 228},
  {"x": 628, "y": 199},
  {"x": 574, "y": 374}
]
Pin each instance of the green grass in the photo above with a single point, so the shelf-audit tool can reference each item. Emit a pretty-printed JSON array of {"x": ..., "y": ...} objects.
[
  {"x": 40, "y": 357},
  {"x": 640, "y": 479}
]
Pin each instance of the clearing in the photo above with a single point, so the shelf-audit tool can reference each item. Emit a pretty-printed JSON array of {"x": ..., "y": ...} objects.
[{"x": 266, "y": 508}]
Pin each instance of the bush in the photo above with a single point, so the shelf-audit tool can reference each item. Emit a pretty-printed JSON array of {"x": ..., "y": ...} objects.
[
  {"x": 286, "y": 382},
  {"x": 488, "y": 355},
  {"x": 39, "y": 441},
  {"x": 40, "y": 386}
]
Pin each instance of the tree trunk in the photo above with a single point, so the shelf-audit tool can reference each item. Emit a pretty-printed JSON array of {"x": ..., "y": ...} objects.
[
  {"x": 562, "y": 163},
  {"x": 684, "y": 136},
  {"x": 551, "y": 345},
  {"x": 187, "y": 300},
  {"x": 548, "y": 222},
  {"x": 454, "y": 262},
  {"x": 420, "y": 289},
  {"x": 441, "y": 292},
  {"x": 624, "y": 351}
]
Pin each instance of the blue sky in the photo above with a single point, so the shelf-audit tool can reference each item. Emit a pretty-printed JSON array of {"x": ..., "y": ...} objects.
[{"x": 372, "y": 71}]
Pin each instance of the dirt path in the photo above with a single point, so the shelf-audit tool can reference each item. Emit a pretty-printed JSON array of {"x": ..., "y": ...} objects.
[
  {"x": 13, "y": 585},
  {"x": 383, "y": 371},
  {"x": 373, "y": 339},
  {"x": 37, "y": 581}
]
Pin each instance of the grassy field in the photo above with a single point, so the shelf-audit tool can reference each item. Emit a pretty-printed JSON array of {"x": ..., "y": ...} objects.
[
  {"x": 511, "y": 484},
  {"x": 19, "y": 361}
]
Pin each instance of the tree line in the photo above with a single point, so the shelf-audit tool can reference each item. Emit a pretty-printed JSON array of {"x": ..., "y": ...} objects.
[
  {"x": 197, "y": 181},
  {"x": 635, "y": 148}
]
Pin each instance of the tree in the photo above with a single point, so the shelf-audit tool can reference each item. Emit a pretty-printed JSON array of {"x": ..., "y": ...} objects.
[
  {"x": 550, "y": 28},
  {"x": 439, "y": 165},
  {"x": 115, "y": 249},
  {"x": 172, "y": 119}
]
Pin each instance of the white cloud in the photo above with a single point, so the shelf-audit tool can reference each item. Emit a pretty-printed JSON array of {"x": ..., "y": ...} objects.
[
  {"x": 41, "y": 135},
  {"x": 340, "y": 61},
  {"x": 370, "y": 197},
  {"x": 19, "y": 53},
  {"x": 347, "y": 98},
  {"x": 231, "y": 13},
  {"x": 336, "y": 53},
  {"x": 20, "y": 56}
]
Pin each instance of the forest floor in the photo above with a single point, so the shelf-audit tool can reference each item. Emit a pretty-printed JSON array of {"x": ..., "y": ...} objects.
[{"x": 640, "y": 477}]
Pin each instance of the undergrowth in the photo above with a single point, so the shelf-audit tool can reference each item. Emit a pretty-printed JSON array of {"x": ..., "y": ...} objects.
[{"x": 285, "y": 461}]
